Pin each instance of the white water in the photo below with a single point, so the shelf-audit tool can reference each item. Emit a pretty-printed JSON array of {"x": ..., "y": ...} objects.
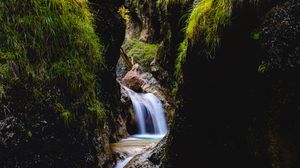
[
  {"x": 149, "y": 114},
  {"x": 151, "y": 121},
  {"x": 123, "y": 163}
]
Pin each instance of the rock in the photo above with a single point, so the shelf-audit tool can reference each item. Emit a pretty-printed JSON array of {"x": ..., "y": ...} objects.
[
  {"x": 144, "y": 21},
  {"x": 133, "y": 79},
  {"x": 121, "y": 69},
  {"x": 280, "y": 36},
  {"x": 125, "y": 99},
  {"x": 151, "y": 85},
  {"x": 153, "y": 157}
]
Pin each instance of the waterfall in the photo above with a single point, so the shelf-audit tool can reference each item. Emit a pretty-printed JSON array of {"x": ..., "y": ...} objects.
[
  {"x": 151, "y": 122},
  {"x": 149, "y": 113}
]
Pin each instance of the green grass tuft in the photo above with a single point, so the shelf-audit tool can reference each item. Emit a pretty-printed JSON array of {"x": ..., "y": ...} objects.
[
  {"x": 256, "y": 35},
  {"x": 178, "y": 66},
  {"x": 262, "y": 68},
  {"x": 166, "y": 3},
  {"x": 206, "y": 21},
  {"x": 124, "y": 13},
  {"x": 180, "y": 60},
  {"x": 98, "y": 110},
  {"x": 29, "y": 134},
  {"x": 63, "y": 113}
]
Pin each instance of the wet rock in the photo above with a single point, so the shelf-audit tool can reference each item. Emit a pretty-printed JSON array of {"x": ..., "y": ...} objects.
[
  {"x": 153, "y": 157},
  {"x": 133, "y": 79},
  {"x": 121, "y": 69},
  {"x": 151, "y": 85}
]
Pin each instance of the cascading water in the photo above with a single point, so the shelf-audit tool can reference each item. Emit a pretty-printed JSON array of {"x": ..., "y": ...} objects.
[
  {"x": 151, "y": 122},
  {"x": 149, "y": 113}
]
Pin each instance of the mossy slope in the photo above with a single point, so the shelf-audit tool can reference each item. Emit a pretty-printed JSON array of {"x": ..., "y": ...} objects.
[
  {"x": 50, "y": 61},
  {"x": 140, "y": 52},
  {"x": 205, "y": 24}
]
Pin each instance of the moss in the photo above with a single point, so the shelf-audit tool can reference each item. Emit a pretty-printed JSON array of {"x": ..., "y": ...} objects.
[
  {"x": 206, "y": 21},
  {"x": 51, "y": 41},
  {"x": 178, "y": 66},
  {"x": 4, "y": 70},
  {"x": 2, "y": 91},
  {"x": 76, "y": 76},
  {"x": 29, "y": 134},
  {"x": 66, "y": 115},
  {"x": 98, "y": 110},
  {"x": 61, "y": 29},
  {"x": 124, "y": 13},
  {"x": 166, "y": 3},
  {"x": 51, "y": 60},
  {"x": 256, "y": 35},
  {"x": 143, "y": 53},
  {"x": 180, "y": 60},
  {"x": 262, "y": 68},
  {"x": 63, "y": 113}
]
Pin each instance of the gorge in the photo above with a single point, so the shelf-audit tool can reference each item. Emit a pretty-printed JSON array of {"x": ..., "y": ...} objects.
[{"x": 149, "y": 83}]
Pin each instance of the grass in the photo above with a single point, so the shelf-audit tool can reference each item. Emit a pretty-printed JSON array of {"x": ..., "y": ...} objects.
[
  {"x": 262, "y": 68},
  {"x": 180, "y": 60},
  {"x": 4, "y": 70},
  {"x": 124, "y": 13},
  {"x": 256, "y": 35},
  {"x": 63, "y": 113},
  {"x": 166, "y": 3},
  {"x": 178, "y": 66},
  {"x": 143, "y": 53},
  {"x": 29, "y": 134},
  {"x": 206, "y": 21},
  {"x": 53, "y": 42},
  {"x": 97, "y": 108},
  {"x": 2, "y": 92}
]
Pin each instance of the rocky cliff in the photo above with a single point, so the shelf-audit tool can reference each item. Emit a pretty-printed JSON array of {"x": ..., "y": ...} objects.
[
  {"x": 246, "y": 96},
  {"x": 57, "y": 62}
]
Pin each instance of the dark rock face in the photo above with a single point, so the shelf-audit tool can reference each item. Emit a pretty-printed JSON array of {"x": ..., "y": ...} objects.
[
  {"x": 280, "y": 36},
  {"x": 144, "y": 23},
  {"x": 108, "y": 21},
  {"x": 33, "y": 133},
  {"x": 242, "y": 118},
  {"x": 281, "y": 41},
  {"x": 171, "y": 19}
]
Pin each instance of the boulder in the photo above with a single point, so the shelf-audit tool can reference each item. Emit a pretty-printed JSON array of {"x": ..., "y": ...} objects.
[
  {"x": 153, "y": 157},
  {"x": 133, "y": 79}
]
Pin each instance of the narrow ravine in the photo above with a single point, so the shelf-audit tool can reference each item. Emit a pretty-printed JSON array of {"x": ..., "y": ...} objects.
[
  {"x": 149, "y": 84},
  {"x": 151, "y": 123}
]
